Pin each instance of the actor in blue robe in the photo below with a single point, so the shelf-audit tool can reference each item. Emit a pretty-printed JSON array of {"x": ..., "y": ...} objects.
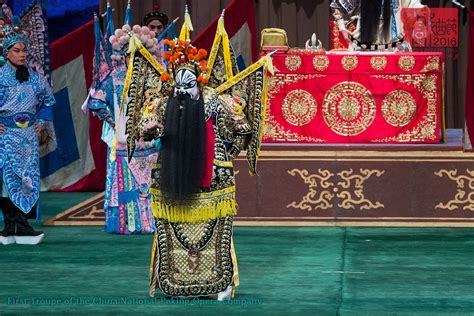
[{"x": 25, "y": 104}]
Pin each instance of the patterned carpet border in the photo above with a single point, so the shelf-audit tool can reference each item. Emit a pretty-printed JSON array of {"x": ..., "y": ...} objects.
[
  {"x": 87, "y": 213},
  {"x": 91, "y": 213}
]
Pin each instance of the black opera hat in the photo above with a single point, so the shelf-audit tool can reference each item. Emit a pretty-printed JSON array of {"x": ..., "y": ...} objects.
[{"x": 156, "y": 15}]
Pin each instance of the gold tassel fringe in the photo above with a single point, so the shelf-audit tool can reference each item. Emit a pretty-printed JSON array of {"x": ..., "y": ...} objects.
[{"x": 193, "y": 213}]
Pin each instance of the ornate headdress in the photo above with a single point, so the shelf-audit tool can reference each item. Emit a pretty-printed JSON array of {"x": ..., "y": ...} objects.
[
  {"x": 181, "y": 54},
  {"x": 156, "y": 15},
  {"x": 11, "y": 36},
  {"x": 121, "y": 36}
]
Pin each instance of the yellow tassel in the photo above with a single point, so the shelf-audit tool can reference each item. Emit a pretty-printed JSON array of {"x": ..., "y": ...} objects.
[
  {"x": 134, "y": 44},
  {"x": 187, "y": 20},
  {"x": 186, "y": 214},
  {"x": 227, "y": 58},
  {"x": 241, "y": 75},
  {"x": 187, "y": 26},
  {"x": 184, "y": 34},
  {"x": 269, "y": 64}
]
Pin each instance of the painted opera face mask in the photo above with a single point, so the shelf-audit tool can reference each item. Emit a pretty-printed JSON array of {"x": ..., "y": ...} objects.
[{"x": 186, "y": 83}]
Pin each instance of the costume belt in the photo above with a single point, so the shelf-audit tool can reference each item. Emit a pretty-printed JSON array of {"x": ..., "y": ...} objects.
[
  {"x": 375, "y": 47},
  {"x": 18, "y": 120}
]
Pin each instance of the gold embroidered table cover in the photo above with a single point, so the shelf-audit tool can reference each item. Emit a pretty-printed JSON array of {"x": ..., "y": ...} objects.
[{"x": 355, "y": 98}]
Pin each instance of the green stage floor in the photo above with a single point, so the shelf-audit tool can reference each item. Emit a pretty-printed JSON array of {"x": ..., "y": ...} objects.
[{"x": 283, "y": 270}]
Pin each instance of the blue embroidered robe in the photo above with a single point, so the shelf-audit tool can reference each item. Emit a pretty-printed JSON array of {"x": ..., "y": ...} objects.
[{"x": 22, "y": 105}]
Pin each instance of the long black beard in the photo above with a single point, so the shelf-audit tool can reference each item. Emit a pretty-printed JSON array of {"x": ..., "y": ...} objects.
[
  {"x": 183, "y": 149},
  {"x": 22, "y": 73},
  {"x": 370, "y": 12}
]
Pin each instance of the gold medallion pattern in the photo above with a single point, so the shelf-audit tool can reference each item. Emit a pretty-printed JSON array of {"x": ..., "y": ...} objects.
[
  {"x": 349, "y": 62},
  {"x": 323, "y": 189},
  {"x": 299, "y": 107},
  {"x": 425, "y": 82},
  {"x": 465, "y": 190},
  {"x": 406, "y": 63},
  {"x": 398, "y": 108},
  {"x": 348, "y": 108},
  {"x": 378, "y": 62},
  {"x": 293, "y": 62},
  {"x": 320, "y": 62},
  {"x": 426, "y": 127},
  {"x": 273, "y": 129}
]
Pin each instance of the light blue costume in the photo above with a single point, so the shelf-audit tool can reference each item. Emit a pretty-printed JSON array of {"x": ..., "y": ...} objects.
[
  {"x": 22, "y": 105},
  {"x": 127, "y": 200}
]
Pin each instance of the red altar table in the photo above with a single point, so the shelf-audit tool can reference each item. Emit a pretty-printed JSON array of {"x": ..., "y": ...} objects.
[{"x": 355, "y": 98}]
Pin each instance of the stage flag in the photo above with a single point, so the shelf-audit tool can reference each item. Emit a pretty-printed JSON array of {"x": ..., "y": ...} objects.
[{"x": 75, "y": 157}]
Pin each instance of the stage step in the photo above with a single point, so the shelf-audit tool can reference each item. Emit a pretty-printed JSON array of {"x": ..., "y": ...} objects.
[
  {"x": 454, "y": 142},
  {"x": 359, "y": 185}
]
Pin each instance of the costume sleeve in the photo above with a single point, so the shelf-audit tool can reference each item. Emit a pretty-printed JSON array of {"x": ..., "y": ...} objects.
[
  {"x": 98, "y": 102},
  {"x": 46, "y": 101},
  {"x": 343, "y": 10},
  {"x": 412, "y": 4},
  {"x": 150, "y": 124}
]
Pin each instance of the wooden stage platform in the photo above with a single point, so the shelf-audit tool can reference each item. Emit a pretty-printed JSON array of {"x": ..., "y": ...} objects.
[{"x": 345, "y": 185}]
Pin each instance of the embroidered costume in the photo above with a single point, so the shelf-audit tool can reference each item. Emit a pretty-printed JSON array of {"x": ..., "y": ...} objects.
[
  {"x": 26, "y": 103},
  {"x": 379, "y": 23},
  {"x": 32, "y": 22},
  {"x": 204, "y": 112},
  {"x": 127, "y": 201}
]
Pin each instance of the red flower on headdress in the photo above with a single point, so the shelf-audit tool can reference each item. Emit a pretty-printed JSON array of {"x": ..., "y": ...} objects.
[
  {"x": 165, "y": 77},
  {"x": 202, "y": 53},
  {"x": 181, "y": 52}
]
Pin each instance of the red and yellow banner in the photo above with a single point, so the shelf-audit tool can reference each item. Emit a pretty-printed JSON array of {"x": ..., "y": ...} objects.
[{"x": 355, "y": 98}]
